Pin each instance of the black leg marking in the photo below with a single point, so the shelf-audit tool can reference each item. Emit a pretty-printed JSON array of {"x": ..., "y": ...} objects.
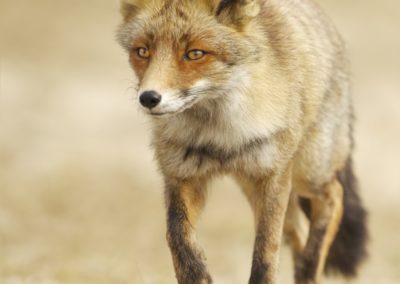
[
  {"x": 188, "y": 260},
  {"x": 307, "y": 265}
]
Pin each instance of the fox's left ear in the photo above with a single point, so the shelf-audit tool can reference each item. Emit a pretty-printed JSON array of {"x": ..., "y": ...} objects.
[
  {"x": 129, "y": 8},
  {"x": 236, "y": 13}
]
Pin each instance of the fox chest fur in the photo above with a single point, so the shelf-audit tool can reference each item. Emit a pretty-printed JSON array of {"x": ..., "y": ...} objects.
[{"x": 202, "y": 143}]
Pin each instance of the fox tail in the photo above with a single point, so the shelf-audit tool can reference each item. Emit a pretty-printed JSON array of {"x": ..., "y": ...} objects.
[{"x": 349, "y": 247}]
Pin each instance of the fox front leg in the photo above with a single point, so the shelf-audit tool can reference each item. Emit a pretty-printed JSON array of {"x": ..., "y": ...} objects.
[
  {"x": 184, "y": 202},
  {"x": 269, "y": 197}
]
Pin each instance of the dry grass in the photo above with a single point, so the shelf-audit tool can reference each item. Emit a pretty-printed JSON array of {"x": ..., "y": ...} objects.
[{"x": 80, "y": 197}]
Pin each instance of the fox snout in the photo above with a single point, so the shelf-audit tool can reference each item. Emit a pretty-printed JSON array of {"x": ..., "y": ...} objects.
[
  {"x": 150, "y": 99},
  {"x": 165, "y": 101},
  {"x": 158, "y": 100}
]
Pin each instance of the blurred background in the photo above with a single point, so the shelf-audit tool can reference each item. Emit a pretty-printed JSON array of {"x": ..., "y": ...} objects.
[{"x": 81, "y": 200}]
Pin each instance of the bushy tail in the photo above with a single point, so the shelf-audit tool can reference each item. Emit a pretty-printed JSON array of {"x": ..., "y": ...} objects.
[{"x": 349, "y": 247}]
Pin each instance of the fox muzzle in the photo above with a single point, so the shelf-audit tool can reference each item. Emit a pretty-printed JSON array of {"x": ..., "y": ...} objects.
[{"x": 150, "y": 99}]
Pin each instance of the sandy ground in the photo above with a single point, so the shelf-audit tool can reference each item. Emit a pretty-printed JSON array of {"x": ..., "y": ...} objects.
[{"x": 80, "y": 196}]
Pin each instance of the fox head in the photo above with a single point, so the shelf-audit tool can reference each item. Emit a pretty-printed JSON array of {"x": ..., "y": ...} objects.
[{"x": 185, "y": 52}]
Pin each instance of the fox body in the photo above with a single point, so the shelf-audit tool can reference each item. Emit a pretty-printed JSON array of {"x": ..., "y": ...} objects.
[{"x": 259, "y": 90}]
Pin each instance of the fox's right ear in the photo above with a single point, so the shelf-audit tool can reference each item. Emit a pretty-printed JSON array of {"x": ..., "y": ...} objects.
[
  {"x": 236, "y": 13},
  {"x": 129, "y": 8}
]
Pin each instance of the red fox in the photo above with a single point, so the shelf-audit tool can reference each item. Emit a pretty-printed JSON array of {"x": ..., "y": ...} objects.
[{"x": 259, "y": 90}]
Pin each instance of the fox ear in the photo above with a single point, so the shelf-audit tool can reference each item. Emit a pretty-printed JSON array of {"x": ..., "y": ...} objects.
[
  {"x": 129, "y": 8},
  {"x": 236, "y": 12}
]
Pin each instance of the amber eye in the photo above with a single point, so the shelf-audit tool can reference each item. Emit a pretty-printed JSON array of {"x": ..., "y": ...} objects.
[
  {"x": 143, "y": 52},
  {"x": 195, "y": 54}
]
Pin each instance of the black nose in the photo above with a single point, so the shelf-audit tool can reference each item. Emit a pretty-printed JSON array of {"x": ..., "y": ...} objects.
[{"x": 150, "y": 99}]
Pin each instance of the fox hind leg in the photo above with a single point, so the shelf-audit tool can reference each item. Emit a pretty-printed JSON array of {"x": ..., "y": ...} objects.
[
  {"x": 326, "y": 215},
  {"x": 296, "y": 227}
]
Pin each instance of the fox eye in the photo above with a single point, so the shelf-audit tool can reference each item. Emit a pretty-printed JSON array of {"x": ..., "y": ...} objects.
[
  {"x": 195, "y": 54},
  {"x": 143, "y": 52}
]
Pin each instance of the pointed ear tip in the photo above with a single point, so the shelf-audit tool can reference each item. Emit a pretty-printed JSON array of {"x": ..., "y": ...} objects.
[
  {"x": 131, "y": 2},
  {"x": 238, "y": 11},
  {"x": 128, "y": 9}
]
